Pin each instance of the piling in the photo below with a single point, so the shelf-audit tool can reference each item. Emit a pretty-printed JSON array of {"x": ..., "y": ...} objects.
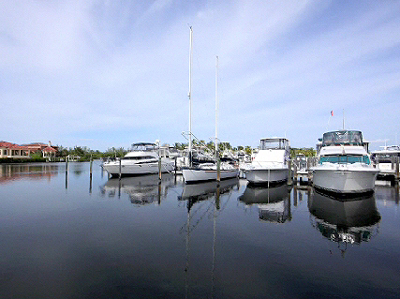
[
  {"x": 218, "y": 170},
  {"x": 91, "y": 175},
  {"x": 91, "y": 166},
  {"x": 309, "y": 169},
  {"x": 159, "y": 168},
  {"x": 66, "y": 173},
  {"x": 290, "y": 175},
  {"x": 175, "y": 165},
  {"x": 295, "y": 174},
  {"x": 120, "y": 168},
  {"x": 395, "y": 167}
]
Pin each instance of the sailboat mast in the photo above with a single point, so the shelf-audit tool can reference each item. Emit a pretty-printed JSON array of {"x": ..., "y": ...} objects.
[
  {"x": 190, "y": 95},
  {"x": 216, "y": 108}
]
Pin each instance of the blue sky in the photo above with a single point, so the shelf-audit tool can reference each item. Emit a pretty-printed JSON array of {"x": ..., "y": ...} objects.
[{"x": 111, "y": 73}]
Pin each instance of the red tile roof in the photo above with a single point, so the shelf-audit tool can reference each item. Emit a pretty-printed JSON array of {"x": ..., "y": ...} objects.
[
  {"x": 30, "y": 147},
  {"x": 49, "y": 149}
]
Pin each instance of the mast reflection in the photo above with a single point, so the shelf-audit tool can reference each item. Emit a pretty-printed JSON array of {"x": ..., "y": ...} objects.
[
  {"x": 273, "y": 203},
  {"x": 141, "y": 190},
  {"x": 203, "y": 191},
  {"x": 202, "y": 194},
  {"x": 349, "y": 221}
]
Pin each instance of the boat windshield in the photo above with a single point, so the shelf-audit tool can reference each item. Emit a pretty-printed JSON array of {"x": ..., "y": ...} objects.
[
  {"x": 342, "y": 137},
  {"x": 385, "y": 158},
  {"x": 144, "y": 147},
  {"x": 345, "y": 159},
  {"x": 273, "y": 144}
]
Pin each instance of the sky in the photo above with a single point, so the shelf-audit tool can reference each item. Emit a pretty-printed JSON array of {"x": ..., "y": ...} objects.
[{"x": 111, "y": 73}]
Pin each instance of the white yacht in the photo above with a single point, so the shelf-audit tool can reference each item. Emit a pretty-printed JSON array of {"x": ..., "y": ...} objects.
[
  {"x": 142, "y": 159},
  {"x": 270, "y": 164},
  {"x": 344, "y": 166},
  {"x": 385, "y": 160}
]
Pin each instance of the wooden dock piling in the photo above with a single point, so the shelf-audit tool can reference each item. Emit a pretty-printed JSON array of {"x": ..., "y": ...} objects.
[
  {"x": 120, "y": 168},
  {"x": 159, "y": 168}
]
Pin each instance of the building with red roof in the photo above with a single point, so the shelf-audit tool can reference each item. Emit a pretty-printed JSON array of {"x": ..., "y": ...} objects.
[{"x": 15, "y": 151}]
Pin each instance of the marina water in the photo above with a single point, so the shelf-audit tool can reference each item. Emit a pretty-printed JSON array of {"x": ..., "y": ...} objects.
[{"x": 66, "y": 234}]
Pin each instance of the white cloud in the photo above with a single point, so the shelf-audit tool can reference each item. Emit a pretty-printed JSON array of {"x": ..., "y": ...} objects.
[{"x": 90, "y": 68}]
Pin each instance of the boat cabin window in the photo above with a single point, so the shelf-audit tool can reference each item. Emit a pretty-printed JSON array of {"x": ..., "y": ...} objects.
[
  {"x": 342, "y": 137},
  {"x": 385, "y": 158},
  {"x": 345, "y": 159},
  {"x": 139, "y": 158},
  {"x": 266, "y": 144}
]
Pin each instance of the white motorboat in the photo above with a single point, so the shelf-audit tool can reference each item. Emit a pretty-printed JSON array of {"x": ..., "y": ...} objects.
[
  {"x": 270, "y": 164},
  {"x": 344, "y": 165},
  {"x": 144, "y": 158}
]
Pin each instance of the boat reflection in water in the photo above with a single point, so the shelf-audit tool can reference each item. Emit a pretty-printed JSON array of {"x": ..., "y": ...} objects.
[
  {"x": 273, "y": 203},
  {"x": 202, "y": 191},
  {"x": 344, "y": 220},
  {"x": 142, "y": 190}
]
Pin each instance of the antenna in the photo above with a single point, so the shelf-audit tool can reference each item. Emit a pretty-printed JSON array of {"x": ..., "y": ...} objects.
[{"x": 343, "y": 119}]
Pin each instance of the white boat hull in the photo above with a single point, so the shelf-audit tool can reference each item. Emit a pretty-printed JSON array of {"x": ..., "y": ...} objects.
[
  {"x": 345, "y": 180},
  {"x": 137, "y": 169},
  {"x": 199, "y": 175},
  {"x": 267, "y": 175}
]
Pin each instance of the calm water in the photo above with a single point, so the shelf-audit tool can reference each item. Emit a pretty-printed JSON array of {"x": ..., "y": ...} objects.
[{"x": 65, "y": 236}]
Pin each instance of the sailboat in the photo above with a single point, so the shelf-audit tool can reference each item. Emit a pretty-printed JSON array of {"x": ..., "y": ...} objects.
[{"x": 205, "y": 171}]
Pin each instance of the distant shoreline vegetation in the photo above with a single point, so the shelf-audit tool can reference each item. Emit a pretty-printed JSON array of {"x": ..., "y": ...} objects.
[{"x": 84, "y": 154}]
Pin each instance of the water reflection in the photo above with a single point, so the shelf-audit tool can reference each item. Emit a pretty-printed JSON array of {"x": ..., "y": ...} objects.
[
  {"x": 202, "y": 191},
  {"x": 273, "y": 203},
  {"x": 12, "y": 172},
  {"x": 344, "y": 220},
  {"x": 200, "y": 206},
  {"x": 141, "y": 190}
]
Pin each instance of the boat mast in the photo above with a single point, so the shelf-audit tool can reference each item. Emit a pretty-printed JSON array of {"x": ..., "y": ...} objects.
[
  {"x": 190, "y": 95},
  {"x": 216, "y": 108},
  {"x": 216, "y": 123}
]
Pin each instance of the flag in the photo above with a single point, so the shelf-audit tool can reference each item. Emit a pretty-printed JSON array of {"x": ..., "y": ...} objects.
[{"x": 331, "y": 112}]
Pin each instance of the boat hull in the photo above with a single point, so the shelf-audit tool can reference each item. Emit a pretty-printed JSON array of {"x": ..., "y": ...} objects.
[
  {"x": 202, "y": 175},
  {"x": 267, "y": 175},
  {"x": 137, "y": 169},
  {"x": 345, "y": 180}
]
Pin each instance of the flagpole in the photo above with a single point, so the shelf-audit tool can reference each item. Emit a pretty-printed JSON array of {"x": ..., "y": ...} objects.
[{"x": 329, "y": 121}]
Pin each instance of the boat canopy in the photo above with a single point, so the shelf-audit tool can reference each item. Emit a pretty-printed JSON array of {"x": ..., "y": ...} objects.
[
  {"x": 344, "y": 137},
  {"x": 273, "y": 143}
]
